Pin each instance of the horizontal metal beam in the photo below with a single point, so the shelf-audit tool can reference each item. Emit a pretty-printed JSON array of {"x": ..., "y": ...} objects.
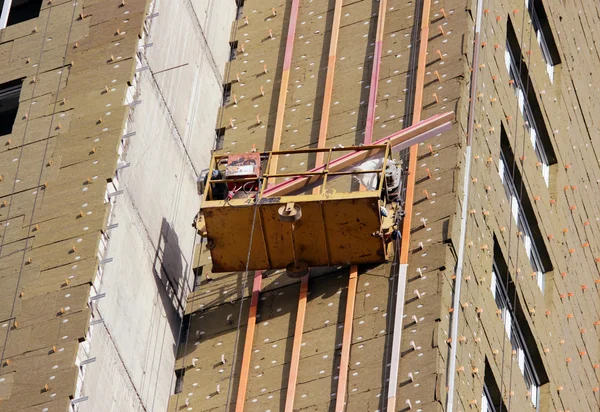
[
  {"x": 79, "y": 400},
  {"x": 87, "y": 361},
  {"x": 400, "y": 140},
  {"x": 98, "y": 296}
]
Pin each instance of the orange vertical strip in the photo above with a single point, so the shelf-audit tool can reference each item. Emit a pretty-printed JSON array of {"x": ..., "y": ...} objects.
[
  {"x": 297, "y": 345},
  {"x": 374, "y": 87},
  {"x": 295, "y": 361},
  {"x": 285, "y": 79},
  {"x": 351, "y": 297},
  {"x": 412, "y": 162},
  {"x": 335, "y": 34},
  {"x": 346, "y": 340},
  {"x": 243, "y": 385}
]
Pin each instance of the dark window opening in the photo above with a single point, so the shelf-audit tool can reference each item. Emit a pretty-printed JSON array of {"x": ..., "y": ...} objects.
[
  {"x": 523, "y": 209},
  {"x": 543, "y": 32},
  {"x": 220, "y": 138},
  {"x": 240, "y": 9},
  {"x": 233, "y": 45},
  {"x": 179, "y": 374},
  {"x": 226, "y": 94},
  {"x": 524, "y": 347},
  {"x": 185, "y": 330},
  {"x": 491, "y": 399},
  {"x": 23, "y": 10},
  {"x": 9, "y": 105},
  {"x": 527, "y": 98}
]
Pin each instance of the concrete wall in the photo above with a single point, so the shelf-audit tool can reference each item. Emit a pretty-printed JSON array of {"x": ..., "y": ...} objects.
[{"x": 152, "y": 247}]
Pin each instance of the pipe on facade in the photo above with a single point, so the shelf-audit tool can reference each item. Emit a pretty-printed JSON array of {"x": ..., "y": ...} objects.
[{"x": 451, "y": 364}]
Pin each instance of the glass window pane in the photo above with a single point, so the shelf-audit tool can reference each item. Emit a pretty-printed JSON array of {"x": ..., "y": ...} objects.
[
  {"x": 533, "y": 137},
  {"x": 514, "y": 205},
  {"x": 521, "y": 100}
]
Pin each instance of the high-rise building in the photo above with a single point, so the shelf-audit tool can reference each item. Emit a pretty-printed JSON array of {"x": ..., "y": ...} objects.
[
  {"x": 107, "y": 113},
  {"x": 469, "y": 124}
]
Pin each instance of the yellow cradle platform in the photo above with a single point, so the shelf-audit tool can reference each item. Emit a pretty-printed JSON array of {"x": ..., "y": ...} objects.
[{"x": 336, "y": 227}]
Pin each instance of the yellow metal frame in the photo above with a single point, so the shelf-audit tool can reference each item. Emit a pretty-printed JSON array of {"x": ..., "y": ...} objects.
[
  {"x": 336, "y": 228},
  {"x": 266, "y": 179}
]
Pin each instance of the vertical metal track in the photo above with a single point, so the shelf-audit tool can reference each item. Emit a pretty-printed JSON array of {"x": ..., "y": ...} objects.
[
  {"x": 451, "y": 370},
  {"x": 285, "y": 79},
  {"x": 406, "y": 225},
  {"x": 324, "y": 126},
  {"x": 346, "y": 340},
  {"x": 250, "y": 329},
  {"x": 293, "y": 377}
]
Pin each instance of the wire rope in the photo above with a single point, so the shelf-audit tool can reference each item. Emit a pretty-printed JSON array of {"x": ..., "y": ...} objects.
[{"x": 239, "y": 321}]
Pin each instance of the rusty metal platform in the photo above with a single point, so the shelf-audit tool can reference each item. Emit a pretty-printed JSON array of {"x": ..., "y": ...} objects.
[
  {"x": 335, "y": 229},
  {"x": 339, "y": 225}
]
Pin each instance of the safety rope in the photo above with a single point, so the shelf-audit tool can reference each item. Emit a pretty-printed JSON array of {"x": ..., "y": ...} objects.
[{"x": 243, "y": 292}]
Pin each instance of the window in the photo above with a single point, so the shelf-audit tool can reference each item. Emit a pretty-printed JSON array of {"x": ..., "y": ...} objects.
[
  {"x": 528, "y": 104},
  {"x": 9, "y": 105},
  {"x": 543, "y": 33},
  {"x": 491, "y": 400},
  {"x": 226, "y": 94},
  {"x": 523, "y": 344},
  {"x": 487, "y": 405},
  {"x": 240, "y": 9},
  {"x": 179, "y": 374},
  {"x": 522, "y": 212},
  {"x": 219, "y": 138},
  {"x": 233, "y": 45},
  {"x": 17, "y": 11},
  {"x": 517, "y": 341}
]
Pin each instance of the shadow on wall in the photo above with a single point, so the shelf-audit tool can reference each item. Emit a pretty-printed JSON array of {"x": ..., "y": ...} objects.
[{"x": 170, "y": 268}]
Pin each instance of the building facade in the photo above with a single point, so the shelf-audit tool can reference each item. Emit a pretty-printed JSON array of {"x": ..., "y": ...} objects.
[
  {"x": 498, "y": 303},
  {"x": 109, "y": 112}
]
